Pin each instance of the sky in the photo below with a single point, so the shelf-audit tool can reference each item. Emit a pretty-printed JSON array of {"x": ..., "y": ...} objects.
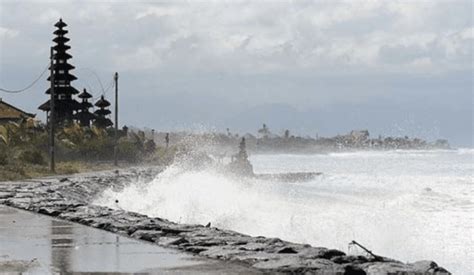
[{"x": 314, "y": 67}]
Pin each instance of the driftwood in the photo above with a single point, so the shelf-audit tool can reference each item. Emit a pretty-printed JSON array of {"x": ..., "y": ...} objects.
[{"x": 376, "y": 257}]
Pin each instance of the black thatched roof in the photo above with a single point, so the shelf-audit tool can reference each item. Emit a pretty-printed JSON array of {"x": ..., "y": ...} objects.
[
  {"x": 63, "y": 90},
  {"x": 60, "y": 24},
  {"x": 72, "y": 104},
  {"x": 61, "y": 47},
  {"x": 69, "y": 104},
  {"x": 63, "y": 77},
  {"x": 84, "y": 95},
  {"x": 45, "y": 106},
  {"x": 102, "y": 112},
  {"x": 84, "y": 115},
  {"x": 9, "y": 111},
  {"x": 86, "y": 105},
  {"x": 102, "y": 102},
  {"x": 63, "y": 66},
  {"x": 62, "y": 55},
  {"x": 60, "y": 32},
  {"x": 61, "y": 39}
]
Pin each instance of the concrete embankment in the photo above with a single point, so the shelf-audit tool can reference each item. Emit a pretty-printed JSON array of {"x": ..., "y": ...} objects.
[{"x": 70, "y": 199}]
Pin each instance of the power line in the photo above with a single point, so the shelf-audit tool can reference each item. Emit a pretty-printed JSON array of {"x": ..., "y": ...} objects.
[
  {"x": 104, "y": 92},
  {"x": 27, "y": 87},
  {"x": 95, "y": 75},
  {"x": 86, "y": 83},
  {"x": 111, "y": 85}
]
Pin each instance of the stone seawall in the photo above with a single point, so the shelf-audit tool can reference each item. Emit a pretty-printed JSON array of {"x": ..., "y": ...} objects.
[{"x": 70, "y": 198}]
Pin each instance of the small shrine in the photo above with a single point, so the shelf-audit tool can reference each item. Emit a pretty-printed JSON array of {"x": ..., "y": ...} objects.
[
  {"x": 240, "y": 163},
  {"x": 101, "y": 120},
  {"x": 84, "y": 116}
]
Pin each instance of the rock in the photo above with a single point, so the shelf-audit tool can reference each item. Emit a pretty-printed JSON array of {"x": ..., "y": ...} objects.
[
  {"x": 207, "y": 241},
  {"x": 287, "y": 250},
  {"x": 349, "y": 259},
  {"x": 317, "y": 252},
  {"x": 50, "y": 211},
  {"x": 353, "y": 270},
  {"x": 253, "y": 257},
  {"x": 147, "y": 224},
  {"x": 428, "y": 267},
  {"x": 221, "y": 252},
  {"x": 6, "y": 195},
  {"x": 253, "y": 247},
  {"x": 173, "y": 230},
  {"x": 147, "y": 235},
  {"x": 297, "y": 265},
  {"x": 381, "y": 268},
  {"x": 328, "y": 254},
  {"x": 195, "y": 249},
  {"x": 170, "y": 241}
]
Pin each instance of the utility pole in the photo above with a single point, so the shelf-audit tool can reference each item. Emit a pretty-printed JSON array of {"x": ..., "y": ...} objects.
[
  {"x": 116, "y": 120},
  {"x": 52, "y": 121}
]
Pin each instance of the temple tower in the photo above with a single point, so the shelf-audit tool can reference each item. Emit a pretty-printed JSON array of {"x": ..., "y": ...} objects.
[
  {"x": 65, "y": 104},
  {"x": 101, "y": 119},
  {"x": 84, "y": 116}
]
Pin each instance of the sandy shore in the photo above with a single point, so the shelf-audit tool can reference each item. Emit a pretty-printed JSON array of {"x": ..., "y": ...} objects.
[{"x": 68, "y": 198}]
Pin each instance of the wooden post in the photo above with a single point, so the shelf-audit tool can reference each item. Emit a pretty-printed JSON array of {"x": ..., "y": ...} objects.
[
  {"x": 116, "y": 120},
  {"x": 52, "y": 120}
]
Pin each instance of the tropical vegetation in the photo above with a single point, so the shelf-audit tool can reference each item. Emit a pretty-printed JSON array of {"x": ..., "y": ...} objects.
[{"x": 24, "y": 149}]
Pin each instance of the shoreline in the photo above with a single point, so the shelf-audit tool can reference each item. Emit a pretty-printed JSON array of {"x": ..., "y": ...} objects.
[
  {"x": 69, "y": 198},
  {"x": 38, "y": 244}
]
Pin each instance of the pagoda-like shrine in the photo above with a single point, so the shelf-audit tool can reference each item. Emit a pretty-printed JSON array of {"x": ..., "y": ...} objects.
[
  {"x": 101, "y": 114},
  {"x": 84, "y": 116},
  {"x": 65, "y": 105}
]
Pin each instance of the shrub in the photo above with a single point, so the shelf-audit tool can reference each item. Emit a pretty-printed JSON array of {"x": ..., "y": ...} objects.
[
  {"x": 3, "y": 157},
  {"x": 33, "y": 156},
  {"x": 128, "y": 151}
]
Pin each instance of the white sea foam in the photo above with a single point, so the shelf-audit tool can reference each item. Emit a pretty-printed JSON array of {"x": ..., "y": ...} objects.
[{"x": 409, "y": 205}]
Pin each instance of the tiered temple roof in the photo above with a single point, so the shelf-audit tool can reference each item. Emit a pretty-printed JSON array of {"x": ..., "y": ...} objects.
[
  {"x": 84, "y": 116},
  {"x": 101, "y": 114},
  {"x": 65, "y": 104}
]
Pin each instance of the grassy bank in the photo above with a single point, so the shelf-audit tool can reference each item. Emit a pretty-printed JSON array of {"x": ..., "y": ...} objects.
[
  {"x": 19, "y": 171},
  {"x": 24, "y": 150}
]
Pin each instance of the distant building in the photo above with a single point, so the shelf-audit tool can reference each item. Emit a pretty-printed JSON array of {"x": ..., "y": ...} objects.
[
  {"x": 65, "y": 105},
  {"x": 10, "y": 113},
  {"x": 359, "y": 135}
]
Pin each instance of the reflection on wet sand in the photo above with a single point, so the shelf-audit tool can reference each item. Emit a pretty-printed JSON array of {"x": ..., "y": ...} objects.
[{"x": 62, "y": 244}]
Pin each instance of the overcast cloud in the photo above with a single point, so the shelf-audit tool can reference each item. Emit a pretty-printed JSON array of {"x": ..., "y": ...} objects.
[{"x": 315, "y": 67}]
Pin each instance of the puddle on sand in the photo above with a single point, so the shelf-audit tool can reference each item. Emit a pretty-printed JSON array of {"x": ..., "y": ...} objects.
[{"x": 34, "y": 243}]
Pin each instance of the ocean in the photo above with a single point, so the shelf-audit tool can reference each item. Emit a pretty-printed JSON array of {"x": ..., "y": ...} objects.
[{"x": 405, "y": 204}]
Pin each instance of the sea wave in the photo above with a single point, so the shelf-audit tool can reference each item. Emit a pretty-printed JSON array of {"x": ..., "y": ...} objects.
[{"x": 382, "y": 200}]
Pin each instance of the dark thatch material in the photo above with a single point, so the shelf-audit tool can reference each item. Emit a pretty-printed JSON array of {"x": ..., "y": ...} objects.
[
  {"x": 85, "y": 95},
  {"x": 102, "y": 102}
]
